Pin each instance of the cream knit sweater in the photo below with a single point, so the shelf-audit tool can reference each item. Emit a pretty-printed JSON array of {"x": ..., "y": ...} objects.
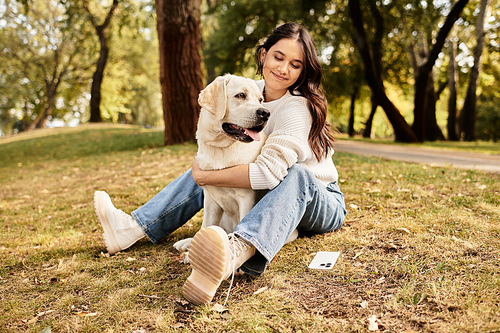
[{"x": 288, "y": 131}]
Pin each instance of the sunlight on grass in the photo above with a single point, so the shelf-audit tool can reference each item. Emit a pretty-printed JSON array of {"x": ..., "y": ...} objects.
[{"x": 419, "y": 248}]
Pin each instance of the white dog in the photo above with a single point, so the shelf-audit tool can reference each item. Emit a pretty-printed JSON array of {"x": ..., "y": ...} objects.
[{"x": 229, "y": 133}]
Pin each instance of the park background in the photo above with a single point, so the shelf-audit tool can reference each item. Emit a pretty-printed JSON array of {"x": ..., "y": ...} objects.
[
  {"x": 411, "y": 70},
  {"x": 419, "y": 248}
]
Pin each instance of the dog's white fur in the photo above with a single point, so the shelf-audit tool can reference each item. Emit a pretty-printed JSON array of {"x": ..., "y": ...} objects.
[{"x": 227, "y": 100}]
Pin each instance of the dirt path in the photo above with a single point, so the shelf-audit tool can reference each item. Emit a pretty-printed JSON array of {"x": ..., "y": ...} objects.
[{"x": 463, "y": 160}]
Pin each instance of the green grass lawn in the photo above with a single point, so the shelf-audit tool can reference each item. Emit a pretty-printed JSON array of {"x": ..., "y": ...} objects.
[{"x": 420, "y": 247}]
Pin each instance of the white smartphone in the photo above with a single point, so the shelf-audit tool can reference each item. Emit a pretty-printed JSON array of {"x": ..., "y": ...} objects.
[{"x": 324, "y": 260}]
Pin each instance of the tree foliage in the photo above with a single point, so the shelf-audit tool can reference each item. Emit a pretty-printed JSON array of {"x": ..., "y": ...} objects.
[
  {"x": 41, "y": 56},
  {"x": 48, "y": 59},
  {"x": 61, "y": 48}
]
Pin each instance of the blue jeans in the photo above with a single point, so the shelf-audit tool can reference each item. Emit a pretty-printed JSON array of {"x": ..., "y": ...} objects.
[{"x": 300, "y": 202}]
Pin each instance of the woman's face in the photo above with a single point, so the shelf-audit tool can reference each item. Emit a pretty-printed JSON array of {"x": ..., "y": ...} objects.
[{"x": 282, "y": 65}]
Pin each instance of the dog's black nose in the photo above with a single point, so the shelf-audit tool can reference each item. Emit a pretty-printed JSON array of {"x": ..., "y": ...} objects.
[{"x": 263, "y": 114}]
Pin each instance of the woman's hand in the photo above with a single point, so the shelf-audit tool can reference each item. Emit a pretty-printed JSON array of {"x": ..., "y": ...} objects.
[{"x": 197, "y": 172}]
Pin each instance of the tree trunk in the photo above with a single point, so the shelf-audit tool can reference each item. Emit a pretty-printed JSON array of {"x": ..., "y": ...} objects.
[
  {"x": 350, "y": 129},
  {"x": 51, "y": 91},
  {"x": 181, "y": 78},
  {"x": 402, "y": 130},
  {"x": 41, "y": 120},
  {"x": 367, "y": 132},
  {"x": 469, "y": 108},
  {"x": 433, "y": 131},
  {"x": 377, "y": 64},
  {"x": 424, "y": 71},
  {"x": 452, "y": 86},
  {"x": 95, "y": 90}
]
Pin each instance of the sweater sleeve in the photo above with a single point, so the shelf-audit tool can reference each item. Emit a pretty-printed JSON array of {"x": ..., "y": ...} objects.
[{"x": 286, "y": 144}]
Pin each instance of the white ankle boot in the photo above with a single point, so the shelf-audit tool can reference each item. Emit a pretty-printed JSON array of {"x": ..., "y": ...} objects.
[
  {"x": 121, "y": 231},
  {"x": 214, "y": 256}
]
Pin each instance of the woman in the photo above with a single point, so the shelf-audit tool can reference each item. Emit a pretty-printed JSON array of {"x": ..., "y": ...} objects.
[{"x": 295, "y": 165}]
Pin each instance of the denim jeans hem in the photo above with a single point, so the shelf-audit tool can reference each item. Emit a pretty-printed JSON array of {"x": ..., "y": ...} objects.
[{"x": 144, "y": 228}]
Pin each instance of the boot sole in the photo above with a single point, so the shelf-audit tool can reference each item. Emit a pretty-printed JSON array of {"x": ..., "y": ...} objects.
[
  {"x": 209, "y": 257},
  {"x": 108, "y": 235}
]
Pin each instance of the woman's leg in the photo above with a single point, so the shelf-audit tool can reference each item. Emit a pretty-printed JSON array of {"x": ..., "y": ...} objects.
[
  {"x": 171, "y": 208},
  {"x": 300, "y": 202}
]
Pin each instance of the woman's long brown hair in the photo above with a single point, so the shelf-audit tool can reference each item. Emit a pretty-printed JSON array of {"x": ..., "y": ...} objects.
[{"x": 308, "y": 85}]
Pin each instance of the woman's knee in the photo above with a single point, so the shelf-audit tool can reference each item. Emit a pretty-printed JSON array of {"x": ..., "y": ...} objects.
[{"x": 298, "y": 171}]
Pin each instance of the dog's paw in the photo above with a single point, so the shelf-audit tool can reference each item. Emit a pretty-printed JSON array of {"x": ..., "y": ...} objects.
[
  {"x": 185, "y": 260},
  {"x": 183, "y": 245}
]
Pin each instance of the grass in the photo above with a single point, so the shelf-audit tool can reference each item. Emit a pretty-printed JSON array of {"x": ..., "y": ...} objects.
[{"x": 419, "y": 248}]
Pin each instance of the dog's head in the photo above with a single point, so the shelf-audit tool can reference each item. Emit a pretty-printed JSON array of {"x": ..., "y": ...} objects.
[{"x": 236, "y": 103}]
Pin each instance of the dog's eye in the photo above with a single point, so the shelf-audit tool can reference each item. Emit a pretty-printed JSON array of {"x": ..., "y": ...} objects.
[
  {"x": 261, "y": 100},
  {"x": 241, "y": 95}
]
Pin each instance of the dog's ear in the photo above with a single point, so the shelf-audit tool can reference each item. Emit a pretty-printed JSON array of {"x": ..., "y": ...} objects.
[{"x": 214, "y": 98}]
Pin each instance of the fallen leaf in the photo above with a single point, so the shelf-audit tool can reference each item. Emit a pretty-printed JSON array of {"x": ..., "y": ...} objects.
[
  {"x": 49, "y": 268},
  {"x": 357, "y": 255},
  {"x": 43, "y": 313},
  {"x": 141, "y": 330},
  {"x": 177, "y": 325},
  {"x": 151, "y": 296},
  {"x": 364, "y": 304},
  {"x": 372, "y": 323},
  {"x": 75, "y": 207},
  {"x": 353, "y": 206},
  {"x": 130, "y": 259},
  {"x": 219, "y": 308},
  {"x": 404, "y": 229},
  {"x": 181, "y": 301},
  {"x": 85, "y": 313},
  {"x": 260, "y": 290}
]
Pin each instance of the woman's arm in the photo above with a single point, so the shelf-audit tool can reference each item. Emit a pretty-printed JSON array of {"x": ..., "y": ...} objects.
[{"x": 236, "y": 176}]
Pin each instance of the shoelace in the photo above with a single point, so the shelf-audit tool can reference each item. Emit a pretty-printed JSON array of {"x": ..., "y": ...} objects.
[{"x": 236, "y": 248}]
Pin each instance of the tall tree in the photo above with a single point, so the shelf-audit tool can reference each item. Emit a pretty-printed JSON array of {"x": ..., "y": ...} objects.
[
  {"x": 425, "y": 70},
  {"x": 402, "y": 130},
  {"x": 350, "y": 127},
  {"x": 46, "y": 52},
  {"x": 419, "y": 20},
  {"x": 101, "y": 31},
  {"x": 181, "y": 78},
  {"x": 469, "y": 109},
  {"x": 377, "y": 64},
  {"x": 452, "y": 86}
]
